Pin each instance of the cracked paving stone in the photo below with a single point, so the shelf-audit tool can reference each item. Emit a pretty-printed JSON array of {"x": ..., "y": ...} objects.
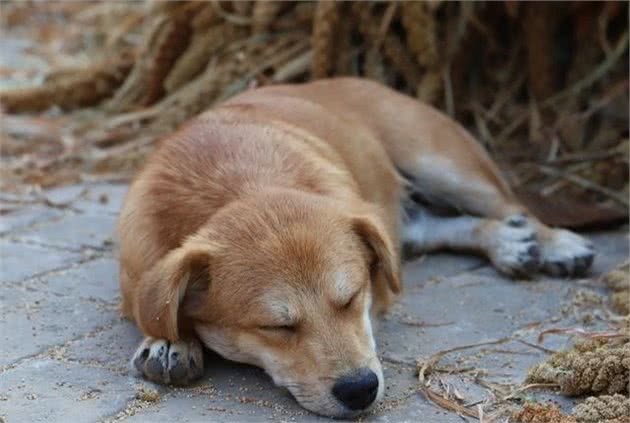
[
  {"x": 19, "y": 261},
  {"x": 74, "y": 232},
  {"x": 95, "y": 279},
  {"x": 33, "y": 320},
  {"x": 111, "y": 348},
  {"x": 98, "y": 198},
  {"x": 24, "y": 217},
  {"x": 51, "y": 391}
]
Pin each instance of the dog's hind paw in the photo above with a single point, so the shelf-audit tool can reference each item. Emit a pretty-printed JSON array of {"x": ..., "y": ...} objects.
[
  {"x": 161, "y": 361},
  {"x": 565, "y": 253},
  {"x": 512, "y": 247}
]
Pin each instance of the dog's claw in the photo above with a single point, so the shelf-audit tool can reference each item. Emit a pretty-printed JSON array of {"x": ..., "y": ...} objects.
[
  {"x": 164, "y": 362},
  {"x": 567, "y": 254}
]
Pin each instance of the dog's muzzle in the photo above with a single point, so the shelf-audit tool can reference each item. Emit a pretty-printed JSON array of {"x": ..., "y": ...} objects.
[{"x": 357, "y": 390}]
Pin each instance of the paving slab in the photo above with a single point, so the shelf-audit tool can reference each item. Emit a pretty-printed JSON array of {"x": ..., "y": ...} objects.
[
  {"x": 96, "y": 198},
  {"x": 65, "y": 351},
  {"x": 16, "y": 219},
  {"x": 20, "y": 260},
  {"x": 47, "y": 311},
  {"x": 48, "y": 390},
  {"x": 73, "y": 232}
]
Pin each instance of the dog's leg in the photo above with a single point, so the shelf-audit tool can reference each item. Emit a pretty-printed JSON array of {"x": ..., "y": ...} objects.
[
  {"x": 510, "y": 244},
  {"x": 161, "y": 361},
  {"x": 562, "y": 252},
  {"x": 444, "y": 163}
]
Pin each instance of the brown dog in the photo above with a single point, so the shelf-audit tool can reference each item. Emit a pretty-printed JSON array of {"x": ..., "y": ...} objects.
[{"x": 269, "y": 228}]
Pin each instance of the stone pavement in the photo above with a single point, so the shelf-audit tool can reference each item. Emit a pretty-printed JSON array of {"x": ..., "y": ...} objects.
[{"x": 64, "y": 350}]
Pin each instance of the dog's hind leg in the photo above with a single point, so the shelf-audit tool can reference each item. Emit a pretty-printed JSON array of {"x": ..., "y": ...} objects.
[
  {"x": 445, "y": 166},
  {"x": 490, "y": 217},
  {"x": 510, "y": 244}
]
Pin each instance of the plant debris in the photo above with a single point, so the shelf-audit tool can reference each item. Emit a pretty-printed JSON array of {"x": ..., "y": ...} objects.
[
  {"x": 591, "y": 367},
  {"x": 618, "y": 281},
  {"x": 540, "y": 413},
  {"x": 113, "y": 78},
  {"x": 145, "y": 393},
  {"x": 604, "y": 408},
  {"x": 441, "y": 399}
]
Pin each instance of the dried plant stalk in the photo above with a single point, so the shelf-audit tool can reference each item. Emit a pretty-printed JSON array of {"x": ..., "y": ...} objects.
[
  {"x": 605, "y": 408},
  {"x": 374, "y": 66},
  {"x": 393, "y": 49},
  {"x": 343, "y": 45},
  {"x": 243, "y": 7},
  {"x": 325, "y": 22},
  {"x": 430, "y": 86},
  {"x": 75, "y": 88},
  {"x": 589, "y": 368},
  {"x": 166, "y": 39},
  {"x": 539, "y": 30},
  {"x": 229, "y": 74},
  {"x": 205, "y": 18},
  {"x": 196, "y": 57},
  {"x": 419, "y": 23},
  {"x": 263, "y": 15},
  {"x": 418, "y": 19}
]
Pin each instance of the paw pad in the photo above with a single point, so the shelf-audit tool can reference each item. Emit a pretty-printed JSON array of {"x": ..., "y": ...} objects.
[{"x": 170, "y": 363}]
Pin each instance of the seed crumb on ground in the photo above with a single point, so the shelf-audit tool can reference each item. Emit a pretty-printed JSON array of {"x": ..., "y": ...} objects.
[
  {"x": 144, "y": 393},
  {"x": 540, "y": 413}
]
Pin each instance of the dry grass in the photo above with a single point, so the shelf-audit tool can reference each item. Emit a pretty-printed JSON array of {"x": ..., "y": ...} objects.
[{"x": 117, "y": 77}]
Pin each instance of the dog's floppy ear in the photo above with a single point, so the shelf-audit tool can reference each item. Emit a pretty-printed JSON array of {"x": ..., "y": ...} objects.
[
  {"x": 162, "y": 289},
  {"x": 385, "y": 264}
]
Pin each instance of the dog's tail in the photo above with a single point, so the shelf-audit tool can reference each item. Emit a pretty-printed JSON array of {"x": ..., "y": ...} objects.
[{"x": 570, "y": 213}]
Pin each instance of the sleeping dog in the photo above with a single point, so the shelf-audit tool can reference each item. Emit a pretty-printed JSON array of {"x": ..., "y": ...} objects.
[{"x": 269, "y": 229}]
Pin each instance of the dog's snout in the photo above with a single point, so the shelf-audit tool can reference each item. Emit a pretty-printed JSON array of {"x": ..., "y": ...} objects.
[{"x": 357, "y": 390}]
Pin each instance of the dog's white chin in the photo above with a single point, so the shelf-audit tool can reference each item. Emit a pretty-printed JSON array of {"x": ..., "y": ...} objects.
[
  {"x": 341, "y": 412},
  {"x": 338, "y": 412}
]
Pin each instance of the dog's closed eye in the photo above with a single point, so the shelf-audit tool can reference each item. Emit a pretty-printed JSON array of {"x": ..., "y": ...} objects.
[
  {"x": 279, "y": 328},
  {"x": 349, "y": 303}
]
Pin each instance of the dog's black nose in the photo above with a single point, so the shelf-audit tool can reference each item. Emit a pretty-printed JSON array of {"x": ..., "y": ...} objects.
[{"x": 358, "y": 389}]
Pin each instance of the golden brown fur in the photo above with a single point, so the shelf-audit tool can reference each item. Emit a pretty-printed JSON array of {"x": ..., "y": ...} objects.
[{"x": 268, "y": 226}]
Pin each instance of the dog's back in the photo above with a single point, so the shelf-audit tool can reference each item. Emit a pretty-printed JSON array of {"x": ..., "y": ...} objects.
[{"x": 245, "y": 145}]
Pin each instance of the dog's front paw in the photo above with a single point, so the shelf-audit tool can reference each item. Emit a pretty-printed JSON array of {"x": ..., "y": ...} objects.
[
  {"x": 512, "y": 247},
  {"x": 167, "y": 362},
  {"x": 566, "y": 254}
]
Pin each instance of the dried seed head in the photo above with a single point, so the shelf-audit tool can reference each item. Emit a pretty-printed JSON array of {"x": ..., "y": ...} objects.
[
  {"x": 324, "y": 27},
  {"x": 603, "y": 408},
  {"x": 588, "y": 368}
]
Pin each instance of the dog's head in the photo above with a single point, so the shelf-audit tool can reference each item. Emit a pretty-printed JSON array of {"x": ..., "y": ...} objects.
[{"x": 284, "y": 281}]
